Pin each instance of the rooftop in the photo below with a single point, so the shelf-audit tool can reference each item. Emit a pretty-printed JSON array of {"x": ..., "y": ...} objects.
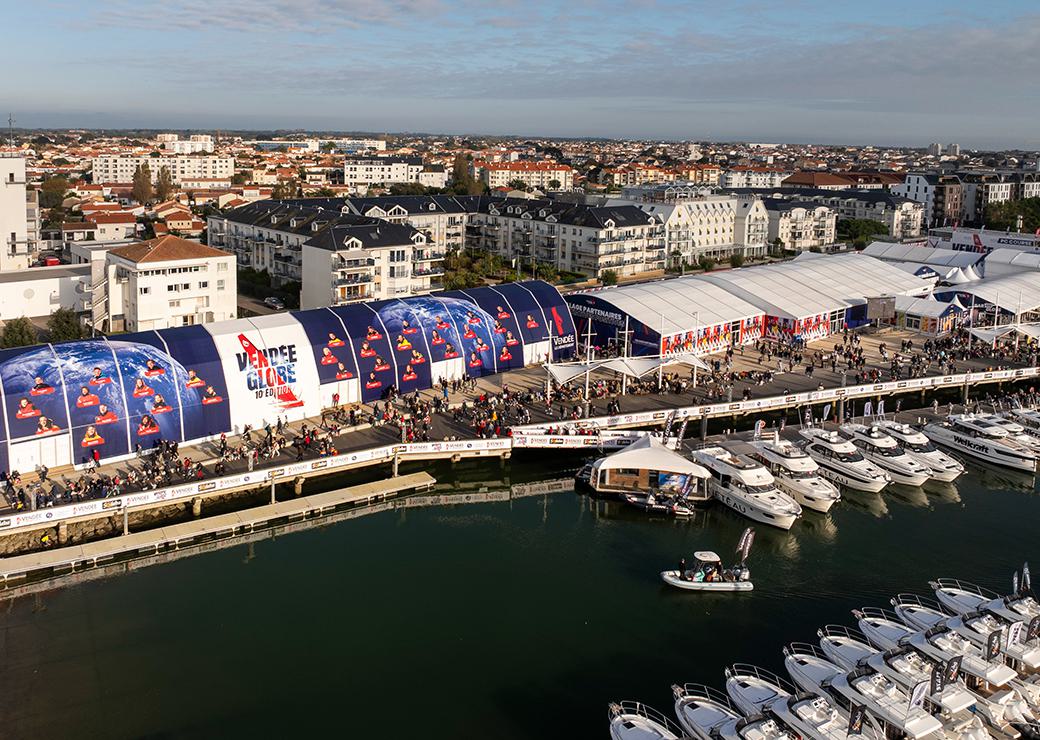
[{"x": 167, "y": 249}]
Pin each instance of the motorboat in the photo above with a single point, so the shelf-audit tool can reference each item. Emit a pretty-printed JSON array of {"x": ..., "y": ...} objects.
[
  {"x": 1017, "y": 432},
  {"x": 706, "y": 573},
  {"x": 809, "y": 668},
  {"x": 844, "y": 647},
  {"x": 656, "y": 503},
  {"x": 978, "y": 627},
  {"x": 747, "y": 487},
  {"x": 1027, "y": 417},
  {"x": 918, "y": 447},
  {"x": 883, "y": 629},
  {"x": 752, "y": 689},
  {"x": 942, "y": 643},
  {"x": 887, "y": 701},
  {"x": 817, "y": 717},
  {"x": 635, "y": 721},
  {"x": 907, "y": 667},
  {"x": 841, "y": 462},
  {"x": 961, "y": 597},
  {"x": 796, "y": 473},
  {"x": 885, "y": 452},
  {"x": 756, "y": 727},
  {"x": 979, "y": 439},
  {"x": 645, "y": 467},
  {"x": 702, "y": 710}
]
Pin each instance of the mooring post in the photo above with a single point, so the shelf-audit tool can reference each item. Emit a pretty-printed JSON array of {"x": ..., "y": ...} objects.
[
  {"x": 274, "y": 499},
  {"x": 63, "y": 533},
  {"x": 298, "y": 485},
  {"x": 841, "y": 411},
  {"x": 126, "y": 518},
  {"x": 196, "y": 506},
  {"x": 964, "y": 397},
  {"x": 395, "y": 464},
  {"x": 704, "y": 427}
]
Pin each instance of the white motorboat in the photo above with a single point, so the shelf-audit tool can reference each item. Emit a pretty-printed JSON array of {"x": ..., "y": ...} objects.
[
  {"x": 757, "y": 727},
  {"x": 883, "y": 629},
  {"x": 817, "y": 717},
  {"x": 977, "y": 627},
  {"x": 907, "y": 667},
  {"x": 1028, "y": 418},
  {"x": 653, "y": 503},
  {"x": 1022, "y": 435},
  {"x": 841, "y": 462},
  {"x": 979, "y": 439},
  {"x": 943, "y": 467},
  {"x": 961, "y": 597},
  {"x": 796, "y": 473},
  {"x": 887, "y": 701},
  {"x": 844, "y": 647},
  {"x": 943, "y": 643},
  {"x": 885, "y": 452},
  {"x": 635, "y": 721},
  {"x": 707, "y": 574},
  {"x": 809, "y": 668},
  {"x": 752, "y": 689},
  {"x": 702, "y": 710},
  {"x": 747, "y": 487}
]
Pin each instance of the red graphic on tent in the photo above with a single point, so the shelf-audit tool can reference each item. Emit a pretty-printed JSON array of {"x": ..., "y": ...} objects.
[
  {"x": 558, "y": 320},
  {"x": 286, "y": 398}
]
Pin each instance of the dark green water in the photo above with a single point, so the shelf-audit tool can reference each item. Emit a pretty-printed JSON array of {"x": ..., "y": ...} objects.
[{"x": 519, "y": 619}]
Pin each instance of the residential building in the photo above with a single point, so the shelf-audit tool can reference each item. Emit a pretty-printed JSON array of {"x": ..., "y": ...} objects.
[
  {"x": 578, "y": 238},
  {"x": 193, "y": 145},
  {"x": 941, "y": 196},
  {"x": 15, "y": 248},
  {"x": 818, "y": 181},
  {"x": 162, "y": 283},
  {"x": 540, "y": 175},
  {"x": 800, "y": 225},
  {"x": 442, "y": 218},
  {"x": 116, "y": 168},
  {"x": 366, "y": 171},
  {"x": 752, "y": 177},
  {"x": 112, "y": 225},
  {"x": 982, "y": 189}
]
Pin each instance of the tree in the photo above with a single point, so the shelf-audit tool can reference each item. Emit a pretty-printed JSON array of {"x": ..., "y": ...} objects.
[
  {"x": 52, "y": 191},
  {"x": 18, "y": 333},
  {"x": 239, "y": 178},
  {"x": 555, "y": 184},
  {"x": 407, "y": 188},
  {"x": 608, "y": 277},
  {"x": 859, "y": 230},
  {"x": 517, "y": 184},
  {"x": 64, "y": 326},
  {"x": 328, "y": 146},
  {"x": 142, "y": 186},
  {"x": 706, "y": 263},
  {"x": 736, "y": 260},
  {"x": 1004, "y": 216},
  {"x": 164, "y": 184},
  {"x": 325, "y": 193},
  {"x": 462, "y": 180}
]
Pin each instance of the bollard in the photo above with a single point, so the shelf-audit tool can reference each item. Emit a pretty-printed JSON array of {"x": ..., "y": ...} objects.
[
  {"x": 63, "y": 533},
  {"x": 196, "y": 506},
  {"x": 395, "y": 464},
  {"x": 704, "y": 427},
  {"x": 298, "y": 486},
  {"x": 126, "y": 519}
]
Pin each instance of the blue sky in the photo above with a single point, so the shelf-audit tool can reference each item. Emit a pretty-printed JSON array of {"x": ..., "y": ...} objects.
[{"x": 831, "y": 71}]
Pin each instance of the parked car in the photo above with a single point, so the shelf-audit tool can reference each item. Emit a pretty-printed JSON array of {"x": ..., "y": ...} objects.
[{"x": 276, "y": 303}]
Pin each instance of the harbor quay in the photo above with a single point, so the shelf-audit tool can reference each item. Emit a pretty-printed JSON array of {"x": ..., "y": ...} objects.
[{"x": 452, "y": 433}]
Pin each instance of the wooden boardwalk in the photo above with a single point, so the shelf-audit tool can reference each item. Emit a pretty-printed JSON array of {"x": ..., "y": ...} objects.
[{"x": 59, "y": 561}]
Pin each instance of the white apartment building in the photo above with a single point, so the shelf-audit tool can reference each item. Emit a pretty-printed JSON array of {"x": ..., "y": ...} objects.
[
  {"x": 442, "y": 218},
  {"x": 982, "y": 189},
  {"x": 358, "y": 171},
  {"x": 753, "y": 177},
  {"x": 163, "y": 283},
  {"x": 16, "y": 251},
  {"x": 578, "y": 238},
  {"x": 182, "y": 167},
  {"x": 799, "y": 225},
  {"x": 356, "y": 145},
  {"x": 540, "y": 175},
  {"x": 195, "y": 144},
  {"x": 364, "y": 261}
]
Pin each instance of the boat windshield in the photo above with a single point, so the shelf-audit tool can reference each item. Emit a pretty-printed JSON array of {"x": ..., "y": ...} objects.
[
  {"x": 759, "y": 489},
  {"x": 848, "y": 457},
  {"x": 800, "y": 474},
  {"x": 919, "y": 446}
]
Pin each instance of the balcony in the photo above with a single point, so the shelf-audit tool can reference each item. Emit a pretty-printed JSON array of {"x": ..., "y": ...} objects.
[
  {"x": 338, "y": 300},
  {"x": 352, "y": 280},
  {"x": 429, "y": 272},
  {"x": 428, "y": 256},
  {"x": 353, "y": 265}
]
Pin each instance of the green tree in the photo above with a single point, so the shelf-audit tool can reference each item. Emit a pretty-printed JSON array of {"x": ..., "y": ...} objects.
[
  {"x": 239, "y": 178},
  {"x": 1004, "y": 216},
  {"x": 64, "y": 326},
  {"x": 517, "y": 184},
  {"x": 706, "y": 263},
  {"x": 18, "y": 332},
  {"x": 407, "y": 188},
  {"x": 736, "y": 260},
  {"x": 142, "y": 185},
  {"x": 859, "y": 230},
  {"x": 325, "y": 193},
  {"x": 52, "y": 191},
  {"x": 164, "y": 184},
  {"x": 462, "y": 180},
  {"x": 608, "y": 277},
  {"x": 555, "y": 185},
  {"x": 328, "y": 146}
]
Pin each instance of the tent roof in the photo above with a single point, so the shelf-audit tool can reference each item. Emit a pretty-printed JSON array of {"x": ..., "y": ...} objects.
[
  {"x": 990, "y": 333},
  {"x": 649, "y": 453},
  {"x": 891, "y": 252},
  {"x": 923, "y": 306},
  {"x": 678, "y": 305},
  {"x": 1016, "y": 292},
  {"x": 809, "y": 287}
]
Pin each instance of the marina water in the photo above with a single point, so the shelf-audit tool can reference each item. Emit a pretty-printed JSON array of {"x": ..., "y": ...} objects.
[{"x": 520, "y": 618}]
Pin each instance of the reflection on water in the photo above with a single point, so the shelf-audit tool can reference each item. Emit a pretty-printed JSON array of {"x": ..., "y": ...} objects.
[
  {"x": 536, "y": 604},
  {"x": 909, "y": 495}
]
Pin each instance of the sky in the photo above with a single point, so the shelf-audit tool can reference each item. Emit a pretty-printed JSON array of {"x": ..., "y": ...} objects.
[{"x": 820, "y": 71}]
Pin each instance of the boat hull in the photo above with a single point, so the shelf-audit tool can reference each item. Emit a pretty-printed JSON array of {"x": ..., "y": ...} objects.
[
  {"x": 739, "y": 505},
  {"x": 873, "y": 485},
  {"x": 817, "y": 501},
  {"x": 671, "y": 577}
]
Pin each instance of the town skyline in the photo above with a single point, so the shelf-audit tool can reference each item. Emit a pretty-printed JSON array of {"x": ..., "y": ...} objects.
[{"x": 830, "y": 74}]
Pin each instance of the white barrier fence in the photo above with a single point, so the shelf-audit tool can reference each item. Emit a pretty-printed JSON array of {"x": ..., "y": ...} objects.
[
  {"x": 53, "y": 515},
  {"x": 772, "y": 402}
]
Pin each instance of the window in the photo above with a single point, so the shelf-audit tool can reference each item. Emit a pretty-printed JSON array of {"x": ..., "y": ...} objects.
[
  {"x": 203, "y": 284},
  {"x": 220, "y": 285},
  {"x": 144, "y": 291},
  {"x": 175, "y": 304}
]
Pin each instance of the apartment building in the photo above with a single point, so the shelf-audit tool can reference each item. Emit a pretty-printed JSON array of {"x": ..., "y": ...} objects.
[
  {"x": 163, "y": 283},
  {"x": 982, "y": 189},
  {"x": 16, "y": 251},
  {"x": 366, "y": 171},
  {"x": 753, "y": 177},
  {"x": 117, "y": 168},
  {"x": 800, "y": 225},
  {"x": 195, "y": 144},
  {"x": 540, "y": 175},
  {"x": 574, "y": 237},
  {"x": 368, "y": 259},
  {"x": 442, "y": 218},
  {"x": 941, "y": 197}
]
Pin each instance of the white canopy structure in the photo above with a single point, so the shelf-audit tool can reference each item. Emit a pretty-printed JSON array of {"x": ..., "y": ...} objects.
[
  {"x": 924, "y": 307},
  {"x": 921, "y": 255},
  {"x": 650, "y": 453},
  {"x": 991, "y": 333},
  {"x": 1001, "y": 262},
  {"x": 1016, "y": 293},
  {"x": 811, "y": 287},
  {"x": 633, "y": 367}
]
